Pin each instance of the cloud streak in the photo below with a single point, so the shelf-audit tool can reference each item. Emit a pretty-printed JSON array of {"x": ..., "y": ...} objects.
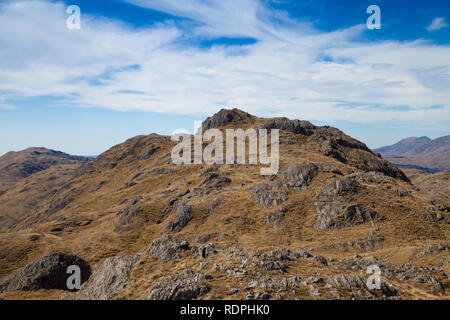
[
  {"x": 437, "y": 24},
  {"x": 291, "y": 69}
]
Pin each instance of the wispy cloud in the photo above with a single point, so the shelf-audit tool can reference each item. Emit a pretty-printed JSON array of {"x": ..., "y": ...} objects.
[
  {"x": 291, "y": 69},
  {"x": 4, "y": 104},
  {"x": 437, "y": 24},
  {"x": 247, "y": 18}
]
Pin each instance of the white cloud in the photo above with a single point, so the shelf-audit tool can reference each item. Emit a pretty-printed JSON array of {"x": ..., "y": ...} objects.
[
  {"x": 437, "y": 24},
  {"x": 283, "y": 73}
]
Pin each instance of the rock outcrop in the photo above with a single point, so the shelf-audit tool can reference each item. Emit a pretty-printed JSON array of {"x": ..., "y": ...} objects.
[
  {"x": 214, "y": 181},
  {"x": 274, "y": 218},
  {"x": 49, "y": 272},
  {"x": 334, "y": 216},
  {"x": 267, "y": 194},
  {"x": 107, "y": 281},
  {"x": 296, "y": 177},
  {"x": 339, "y": 186},
  {"x": 187, "y": 285},
  {"x": 204, "y": 251},
  {"x": 183, "y": 217},
  {"x": 294, "y": 126},
  {"x": 166, "y": 248},
  {"x": 131, "y": 210},
  {"x": 224, "y": 117},
  {"x": 359, "y": 281}
]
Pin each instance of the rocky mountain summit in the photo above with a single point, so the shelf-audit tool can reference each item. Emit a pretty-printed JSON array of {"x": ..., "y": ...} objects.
[{"x": 150, "y": 229}]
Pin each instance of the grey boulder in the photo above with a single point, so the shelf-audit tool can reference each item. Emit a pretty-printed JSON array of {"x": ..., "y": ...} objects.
[{"x": 48, "y": 272}]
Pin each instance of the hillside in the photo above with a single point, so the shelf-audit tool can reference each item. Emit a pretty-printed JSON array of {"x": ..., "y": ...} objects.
[
  {"x": 150, "y": 229},
  {"x": 421, "y": 153},
  {"x": 23, "y": 198},
  {"x": 435, "y": 187},
  {"x": 18, "y": 165}
]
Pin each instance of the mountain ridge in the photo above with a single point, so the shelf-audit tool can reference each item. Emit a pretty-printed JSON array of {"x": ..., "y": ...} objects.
[
  {"x": 423, "y": 153},
  {"x": 145, "y": 225}
]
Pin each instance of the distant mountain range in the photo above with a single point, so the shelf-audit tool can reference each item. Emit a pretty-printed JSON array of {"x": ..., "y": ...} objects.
[{"x": 419, "y": 153}]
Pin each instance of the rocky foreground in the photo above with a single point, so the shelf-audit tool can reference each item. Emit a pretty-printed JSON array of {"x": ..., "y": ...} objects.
[{"x": 149, "y": 229}]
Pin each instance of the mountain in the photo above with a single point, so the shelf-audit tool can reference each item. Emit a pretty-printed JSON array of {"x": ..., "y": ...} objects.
[
  {"x": 151, "y": 229},
  {"x": 421, "y": 153},
  {"x": 18, "y": 165},
  {"x": 22, "y": 198},
  {"x": 29, "y": 176}
]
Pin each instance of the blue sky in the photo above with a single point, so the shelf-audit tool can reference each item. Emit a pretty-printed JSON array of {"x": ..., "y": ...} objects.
[{"x": 144, "y": 66}]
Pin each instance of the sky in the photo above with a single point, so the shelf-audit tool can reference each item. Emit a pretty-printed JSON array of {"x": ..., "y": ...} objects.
[{"x": 154, "y": 66}]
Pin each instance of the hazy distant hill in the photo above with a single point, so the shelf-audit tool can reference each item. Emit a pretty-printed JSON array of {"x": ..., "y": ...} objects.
[
  {"x": 18, "y": 165},
  {"x": 421, "y": 153}
]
